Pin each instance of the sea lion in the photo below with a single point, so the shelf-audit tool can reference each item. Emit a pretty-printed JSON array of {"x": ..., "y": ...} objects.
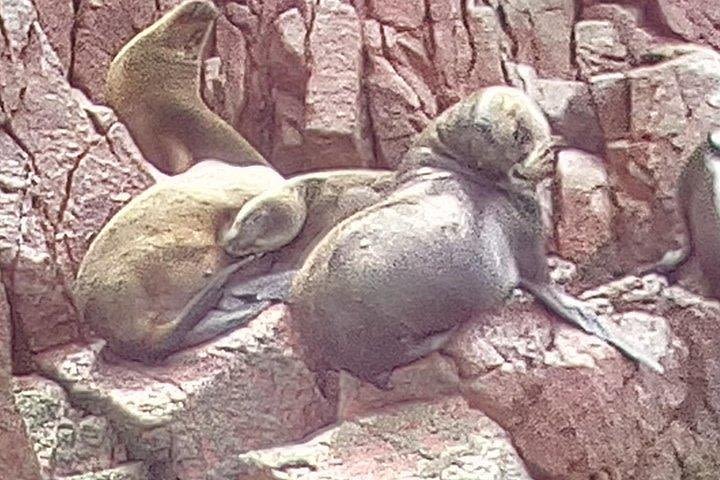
[
  {"x": 153, "y": 84},
  {"x": 275, "y": 218},
  {"x": 698, "y": 196},
  {"x": 156, "y": 267},
  {"x": 392, "y": 282},
  {"x": 302, "y": 210}
]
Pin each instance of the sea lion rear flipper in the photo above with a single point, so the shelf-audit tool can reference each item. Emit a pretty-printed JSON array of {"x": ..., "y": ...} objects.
[
  {"x": 577, "y": 313},
  {"x": 217, "y": 322},
  {"x": 273, "y": 286},
  {"x": 224, "y": 305},
  {"x": 199, "y": 306}
]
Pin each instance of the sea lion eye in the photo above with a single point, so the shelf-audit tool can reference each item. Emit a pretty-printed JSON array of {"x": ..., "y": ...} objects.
[{"x": 714, "y": 140}]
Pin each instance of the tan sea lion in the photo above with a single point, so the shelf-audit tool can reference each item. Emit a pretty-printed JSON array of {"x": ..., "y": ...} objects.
[
  {"x": 156, "y": 267},
  {"x": 153, "y": 84},
  {"x": 302, "y": 210}
]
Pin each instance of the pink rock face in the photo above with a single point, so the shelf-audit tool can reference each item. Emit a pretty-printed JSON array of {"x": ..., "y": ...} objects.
[
  {"x": 57, "y": 18},
  {"x": 585, "y": 210},
  {"x": 334, "y": 114},
  {"x": 247, "y": 390},
  {"x": 443, "y": 439},
  {"x": 541, "y": 32},
  {"x": 329, "y": 83},
  {"x": 599, "y": 48},
  {"x": 693, "y": 20},
  {"x": 574, "y": 407},
  {"x": 65, "y": 179},
  {"x": 67, "y": 440},
  {"x": 424, "y": 380},
  {"x": 405, "y": 14},
  {"x": 16, "y": 454}
]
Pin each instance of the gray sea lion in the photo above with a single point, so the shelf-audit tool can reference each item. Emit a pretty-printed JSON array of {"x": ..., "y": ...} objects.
[
  {"x": 391, "y": 283},
  {"x": 153, "y": 84}
]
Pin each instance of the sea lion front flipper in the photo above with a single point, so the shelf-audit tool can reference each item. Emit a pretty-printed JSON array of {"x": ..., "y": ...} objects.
[
  {"x": 273, "y": 286},
  {"x": 233, "y": 305},
  {"x": 194, "y": 311},
  {"x": 217, "y": 322},
  {"x": 579, "y": 314},
  {"x": 222, "y": 306}
]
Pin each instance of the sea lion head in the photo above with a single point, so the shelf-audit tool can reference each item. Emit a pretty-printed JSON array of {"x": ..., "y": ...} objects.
[
  {"x": 266, "y": 222},
  {"x": 498, "y": 131},
  {"x": 184, "y": 29}
]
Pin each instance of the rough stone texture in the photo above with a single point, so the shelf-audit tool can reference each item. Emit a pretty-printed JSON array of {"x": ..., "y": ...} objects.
[
  {"x": 225, "y": 75},
  {"x": 611, "y": 97},
  {"x": 421, "y": 381},
  {"x": 335, "y": 116},
  {"x": 67, "y": 441},
  {"x": 635, "y": 27},
  {"x": 694, "y": 20},
  {"x": 192, "y": 415},
  {"x": 541, "y": 33},
  {"x": 397, "y": 109},
  {"x": 671, "y": 107},
  {"x": 315, "y": 84},
  {"x": 65, "y": 179},
  {"x": 571, "y": 112},
  {"x": 584, "y": 207},
  {"x": 404, "y": 14},
  {"x": 16, "y": 454},
  {"x": 128, "y": 471},
  {"x": 576, "y": 409},
  {"x": 57, "y": 18},
  {"x": 444, "y": 440},
  {"x": 599, "y": 49}
]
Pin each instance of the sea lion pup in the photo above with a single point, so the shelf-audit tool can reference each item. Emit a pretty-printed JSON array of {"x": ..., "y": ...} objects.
[
  {"x": 392, "y": 282},
  {"x": 302, "y": 210},
  {"x": 153, "y": 84},
  {"x": 153, "y": 271},
  {"x": 698, "y": 196}
]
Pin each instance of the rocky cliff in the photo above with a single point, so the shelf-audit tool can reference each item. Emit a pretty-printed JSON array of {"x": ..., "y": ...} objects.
[{"x": 630, "y": 86}]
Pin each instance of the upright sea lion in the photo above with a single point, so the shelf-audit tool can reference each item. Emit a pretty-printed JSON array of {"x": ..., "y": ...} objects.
[
  {"x": 392, "y": 282},
  {"x": 153, "y": 84},
  {"x": 153, "y": 271},
  {"x": 698, "y": 196}
]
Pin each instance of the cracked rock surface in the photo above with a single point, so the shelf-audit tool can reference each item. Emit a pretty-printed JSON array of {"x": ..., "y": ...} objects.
[
  {"x": 630, "y": 88},
  {"x": 194, "y": 413},
  {"x": 16, "y": 452}
]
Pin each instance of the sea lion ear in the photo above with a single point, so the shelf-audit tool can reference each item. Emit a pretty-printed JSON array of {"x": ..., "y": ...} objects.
[{"x": 714, "y": 140}]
